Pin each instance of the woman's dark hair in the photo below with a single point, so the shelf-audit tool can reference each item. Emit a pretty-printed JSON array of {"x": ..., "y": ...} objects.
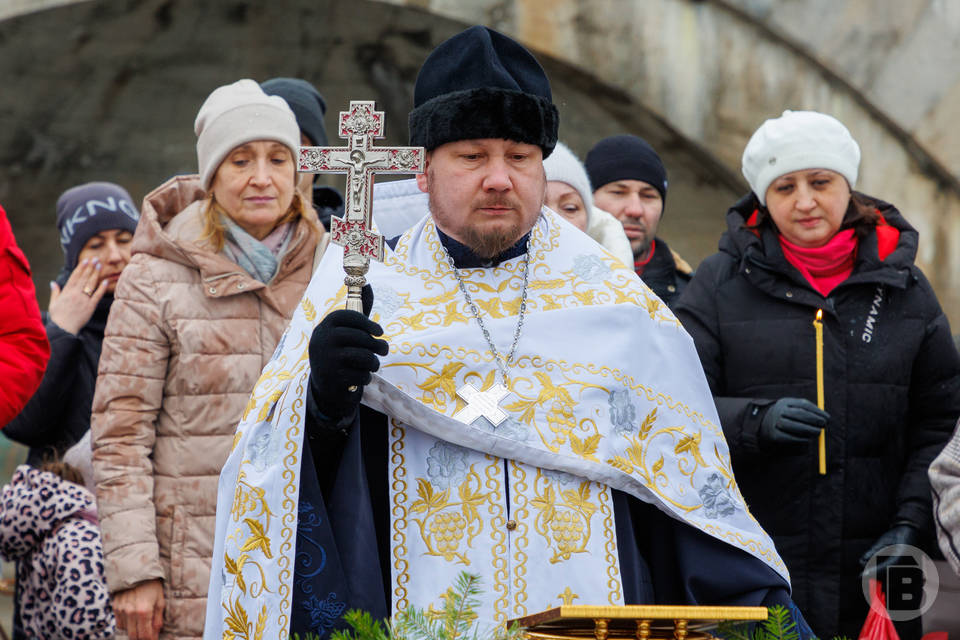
[{"x": 861, "y": 216}]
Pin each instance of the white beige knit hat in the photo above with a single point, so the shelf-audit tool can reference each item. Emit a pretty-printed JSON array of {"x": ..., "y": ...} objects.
[
  {"x": 564, "y": 166},
  {"x": 799, "y": 140},
  {"x": 238, "y": 113}
]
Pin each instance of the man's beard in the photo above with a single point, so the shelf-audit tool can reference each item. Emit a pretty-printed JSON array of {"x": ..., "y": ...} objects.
[
  {"x": 642, "y": 250},
  {"x": 490, "y": 242}
]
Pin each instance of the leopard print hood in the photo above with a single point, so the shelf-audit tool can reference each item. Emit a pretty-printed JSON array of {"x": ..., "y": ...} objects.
[{"x": 34, "y": 504}]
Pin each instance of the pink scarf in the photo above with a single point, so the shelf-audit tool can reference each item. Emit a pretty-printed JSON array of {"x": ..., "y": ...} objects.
[{"x": 827, "y": 266}]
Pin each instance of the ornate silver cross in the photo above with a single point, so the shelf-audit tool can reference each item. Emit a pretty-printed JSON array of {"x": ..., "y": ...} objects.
[
  {"x": 482, "y": 403},
  {"x": 359, "y": 160}
]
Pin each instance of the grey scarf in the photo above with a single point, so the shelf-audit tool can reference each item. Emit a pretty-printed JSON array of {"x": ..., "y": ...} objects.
[{"x": 258, "y": 258}]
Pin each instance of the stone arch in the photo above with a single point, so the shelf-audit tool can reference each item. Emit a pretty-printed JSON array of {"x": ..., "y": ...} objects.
[
  {"x": 108, "y": 89},
  {"x": 715, "y": 69},
  {"x": 117, "y": 98}
]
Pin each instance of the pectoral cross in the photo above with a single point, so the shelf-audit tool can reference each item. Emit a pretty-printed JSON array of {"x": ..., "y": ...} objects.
[
  {"x": 482, "y": 403},
  {"x": 359, "y": 160}
]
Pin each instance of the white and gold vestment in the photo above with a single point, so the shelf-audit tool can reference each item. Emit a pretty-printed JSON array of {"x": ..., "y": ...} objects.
[{"x": 606, "y": 391}]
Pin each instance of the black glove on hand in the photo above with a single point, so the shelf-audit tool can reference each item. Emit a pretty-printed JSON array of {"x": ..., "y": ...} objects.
[
  {"x": 343, "y": 353},
  {"x": 898, "y": 534},
  {"x": 792, "y": 421}
]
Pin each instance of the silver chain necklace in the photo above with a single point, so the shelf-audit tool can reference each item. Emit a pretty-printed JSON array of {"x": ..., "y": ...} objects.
[
  {"x": 497, "y": 356},
  {"x": 487, "y": 403}
]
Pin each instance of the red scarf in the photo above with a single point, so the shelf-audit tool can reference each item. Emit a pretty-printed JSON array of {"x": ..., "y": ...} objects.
[
  {"x": 640, "y": 265},
  {"x": 827, "y": 266}
]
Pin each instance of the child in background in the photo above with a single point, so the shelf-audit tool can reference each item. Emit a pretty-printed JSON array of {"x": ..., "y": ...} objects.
[{"x": 48, "y": 524}]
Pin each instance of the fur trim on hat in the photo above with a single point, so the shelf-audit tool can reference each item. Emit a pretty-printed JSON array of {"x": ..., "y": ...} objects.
[{"x": 485, "y": 113}]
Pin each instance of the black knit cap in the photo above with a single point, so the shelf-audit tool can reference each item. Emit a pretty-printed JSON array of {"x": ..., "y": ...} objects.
[
  {"x": 87, "y": 209},
  {"x": 482, "y": 84},
  {"x": 306, "y": 103},
  {"x": 626, "y": 157}
]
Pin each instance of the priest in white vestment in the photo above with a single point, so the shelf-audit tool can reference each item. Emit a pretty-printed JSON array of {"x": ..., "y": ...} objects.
[{"x": 515, "y": 403}]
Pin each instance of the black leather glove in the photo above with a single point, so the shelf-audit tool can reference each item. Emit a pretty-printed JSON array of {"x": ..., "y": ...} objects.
[
  {"x": 343, "y": 354},
  {"x": 791, "y": 421},
  {"x": 898, "y": 534}
]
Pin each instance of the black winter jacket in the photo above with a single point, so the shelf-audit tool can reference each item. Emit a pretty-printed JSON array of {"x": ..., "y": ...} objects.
[
  {"x": 892, "y": 389},
  {"x": 58, "y": 414},
  {"x": 662, "y": 275},
  {"x": 327, "y": 202}
]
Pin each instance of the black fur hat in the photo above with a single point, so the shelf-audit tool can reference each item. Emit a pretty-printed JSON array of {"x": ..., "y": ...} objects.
[{"x": 482, "y": 84}]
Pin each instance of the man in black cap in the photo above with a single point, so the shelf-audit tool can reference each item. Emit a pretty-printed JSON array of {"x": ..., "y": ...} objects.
[
  {"x": 630, "y": 181},
  {"x": 487, "y": 412}
]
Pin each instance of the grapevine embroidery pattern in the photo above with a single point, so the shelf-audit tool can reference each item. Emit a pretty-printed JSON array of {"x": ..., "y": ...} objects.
[
  {"x": 446, "y": 523},
  {"x": 563, "y": 516}
]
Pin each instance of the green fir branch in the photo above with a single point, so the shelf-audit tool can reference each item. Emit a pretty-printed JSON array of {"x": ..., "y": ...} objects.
[
  {"x": 779, "y": 625},
  {"x": 456, "y": 621},
  {"x": 734, "y": 631},
  {"x": 364, "y": 627},
  {"x": 461, "y": 604},
  {"x": 412, "y": 623}
]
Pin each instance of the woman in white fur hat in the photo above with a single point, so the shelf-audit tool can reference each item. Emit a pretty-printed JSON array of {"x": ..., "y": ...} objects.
[
  {"x": 569, "y": 194},
  {"x": 221, "y": 259},
  {"x": 802, "y": 242}
]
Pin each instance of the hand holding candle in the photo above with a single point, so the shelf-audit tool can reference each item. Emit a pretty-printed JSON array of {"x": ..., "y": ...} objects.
[
  {"x": 822, "y": 440},
  {"x": 789, "y": 423}
]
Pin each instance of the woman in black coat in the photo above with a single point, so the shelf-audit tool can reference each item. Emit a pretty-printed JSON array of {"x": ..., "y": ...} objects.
[
  {"x": 96, "y": 222},
  {"x": 800, "y": 242}
]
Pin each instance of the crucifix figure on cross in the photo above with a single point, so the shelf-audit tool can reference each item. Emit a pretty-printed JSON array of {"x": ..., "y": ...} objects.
[{"x": 360, "y": 160}]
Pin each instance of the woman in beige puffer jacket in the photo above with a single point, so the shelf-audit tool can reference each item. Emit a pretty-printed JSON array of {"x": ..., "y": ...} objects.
[{"x": 188, "y": 335}]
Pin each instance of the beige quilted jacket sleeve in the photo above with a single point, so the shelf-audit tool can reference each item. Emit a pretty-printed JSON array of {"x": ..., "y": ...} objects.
[
  {"x": 129, "y": 395},
  {"x": 945, "y": 482}
]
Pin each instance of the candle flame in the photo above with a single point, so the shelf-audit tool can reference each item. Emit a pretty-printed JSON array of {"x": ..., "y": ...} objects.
[{"x": 819, "y": 315}]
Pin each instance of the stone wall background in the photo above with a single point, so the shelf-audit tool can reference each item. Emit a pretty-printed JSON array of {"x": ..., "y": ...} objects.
[
  {"x": 903, "y": 56},
  {"x": 715, "y": 69},
  {"x": 107, "y": 89},
  {"x": 110, "y": 89}
]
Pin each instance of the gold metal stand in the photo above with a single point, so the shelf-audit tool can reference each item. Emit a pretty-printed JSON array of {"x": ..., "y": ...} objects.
[{"x": 639, "y": 622}]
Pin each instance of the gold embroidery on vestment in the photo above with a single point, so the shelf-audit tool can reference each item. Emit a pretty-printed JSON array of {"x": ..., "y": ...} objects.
[
  {"x": 498, "y": 532},
  {"x": 615, "y": 596},
  {"x": 567, "y": 596},
  {"x": 398, "y": 515},
  {"x": 447, "y": 523},
  {"x": 519, "y": 538},
  {"x": 563, "y": 516}
]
